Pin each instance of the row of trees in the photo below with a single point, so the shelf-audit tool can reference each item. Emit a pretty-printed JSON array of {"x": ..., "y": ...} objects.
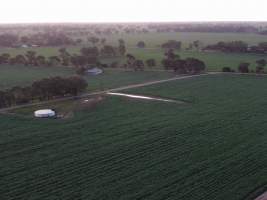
[
  {"x": 173, "y": 62},
  {"x": 40, "y": 39},
  {"x": 45, "y": 89},
  {"x": 244, "y": 67},
  {"x": 87, "y": 55},
  {"x": 238, "y": 46}
]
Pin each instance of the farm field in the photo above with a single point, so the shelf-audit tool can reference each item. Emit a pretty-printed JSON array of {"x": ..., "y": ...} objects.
[
  {"x": 211, "y": 148},
  {"x": 215, "y": 61},
  {"x": 16, "y": 75},
  {"x": 24, "y": 75},
  {"x": 156, "y": 39}
]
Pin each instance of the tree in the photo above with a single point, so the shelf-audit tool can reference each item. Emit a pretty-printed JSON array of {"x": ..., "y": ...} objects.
[
  {"x": 197, "y": 44},
  {"x": 108, "y": 51},
  {"x": 64, "y": 56},
  {"x": 260, "y": 65},
  {"x": 20, "y": 59},
  {"x": 151, "y": 62},
  {"x": 76, "y": 85},
  {"x": 243, "y": 67},
  {"x": 194, "y": 65},
  {"x": 91, "y": 54},
  {"x": 261, "y": 62},
  {"x": 93, "y": 40},
  {"x": 139, "y": 65},
  {"x": 103, "y": 41},
  {"x": 40, "y": 61},
  {"x": 122, "y": 48},
  {"x": 31, "y": 57},
  {"x": 54, "y": 61},
  {"x": 141, "y": 44},
  {"x": 226, "y": 69},
  {"x": 172, "y": 44},
  {"x": 5, "y": 58},
  {"x": 130, "y": 60},
  {"x": 81, "y": 71}
]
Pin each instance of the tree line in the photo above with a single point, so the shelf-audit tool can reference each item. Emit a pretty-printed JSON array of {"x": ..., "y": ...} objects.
[
  {"x": 41, "y": 90},
  {"x": 238, "y": 47},
  {"x": 87, "y": 55},
  {"x": 189, "y": 65},
  {"x": 243, "y": 67}
]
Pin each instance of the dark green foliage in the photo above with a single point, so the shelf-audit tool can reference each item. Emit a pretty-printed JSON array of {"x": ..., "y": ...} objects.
[
  {"x": 172, "y": 44},
  {"x": 243, "y": 67},
  {"x": 226, "y": 69},
  {"x": 45, "y": 89},
  {"x": 234, "y": 46},
  {"x": 141, "y": 44}
]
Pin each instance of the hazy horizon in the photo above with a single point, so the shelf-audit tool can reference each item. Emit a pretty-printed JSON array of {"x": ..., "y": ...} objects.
[{"x": 125, "y": 11}]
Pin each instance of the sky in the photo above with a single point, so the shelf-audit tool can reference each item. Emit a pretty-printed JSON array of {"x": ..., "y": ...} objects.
[{"x": 40, "y": 11}]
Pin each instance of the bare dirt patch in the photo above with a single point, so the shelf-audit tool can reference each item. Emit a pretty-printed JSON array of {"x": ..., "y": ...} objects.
[{"x": 150, "y": 98}]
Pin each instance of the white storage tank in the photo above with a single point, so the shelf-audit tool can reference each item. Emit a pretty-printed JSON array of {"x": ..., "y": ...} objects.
[{"x": 45, "y": 113}]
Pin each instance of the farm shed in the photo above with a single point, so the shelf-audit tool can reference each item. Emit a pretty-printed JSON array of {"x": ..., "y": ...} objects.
[
  {"x": 95, "y": 71},
  {"x": 46, "y": 113}
]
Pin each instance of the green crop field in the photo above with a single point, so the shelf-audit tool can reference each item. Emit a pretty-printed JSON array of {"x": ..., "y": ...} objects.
[
  {"x": 211, "y": 148},
  {"x": 24, "y": 75}
]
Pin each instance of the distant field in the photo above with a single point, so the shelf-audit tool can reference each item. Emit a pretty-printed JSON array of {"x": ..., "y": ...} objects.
[
  {"x": 24, "y": 75},
  {"x": 212, "y": 148},
  {"x": 155, "y": 39},
  {"x": 214, "y": 61}
]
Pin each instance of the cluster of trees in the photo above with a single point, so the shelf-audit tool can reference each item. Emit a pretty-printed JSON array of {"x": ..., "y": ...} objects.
[
  {"x": 243, "y": 67},
  {"x": 234, "y": 46},
  {"x": 87, "y": 55},
  {"x": 238, "y": 46},
  {"x": 40, "y": 39},
  {"x": 172, "y": 44},
  {"x": 45, "y": 89},
  {"x": 173, "y": 61}
]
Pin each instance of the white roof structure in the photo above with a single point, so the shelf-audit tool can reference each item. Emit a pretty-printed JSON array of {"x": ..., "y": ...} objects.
[
  {"x": 95, "y": 71},
  {"x": 44, "y": 113}
]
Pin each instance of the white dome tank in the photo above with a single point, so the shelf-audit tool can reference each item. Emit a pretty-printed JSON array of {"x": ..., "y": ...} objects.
[{"x": 44, "y": 113}]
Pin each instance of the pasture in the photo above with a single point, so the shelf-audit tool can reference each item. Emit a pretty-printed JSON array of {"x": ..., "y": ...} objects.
[
  {"x": 14, "y": 75},
  {"x": 214, "y": 60},
  {"x": 212, "y": 148}
]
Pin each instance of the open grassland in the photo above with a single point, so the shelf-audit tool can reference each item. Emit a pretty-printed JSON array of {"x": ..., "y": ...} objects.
[
  {"x": 156, "y": 39},
  {"x": 18, "y": 75},
  {"x": 212, "y": 148},
  {"x": 215, "y": 61},
  {"x": 24, "y": 75}
]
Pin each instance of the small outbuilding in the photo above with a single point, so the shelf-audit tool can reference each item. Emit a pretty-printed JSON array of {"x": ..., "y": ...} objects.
[
  {"x": 46, "y": 113},
  {"x": 94, "y": 71}
]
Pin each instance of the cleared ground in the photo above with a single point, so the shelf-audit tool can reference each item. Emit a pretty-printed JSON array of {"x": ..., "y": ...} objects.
[{"x": 212, "y": 149}]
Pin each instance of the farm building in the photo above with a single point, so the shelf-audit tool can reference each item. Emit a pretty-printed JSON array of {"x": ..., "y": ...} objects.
[
  {"x": 95, "y": 71},
  {"x": 46, "y": 113}
]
